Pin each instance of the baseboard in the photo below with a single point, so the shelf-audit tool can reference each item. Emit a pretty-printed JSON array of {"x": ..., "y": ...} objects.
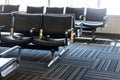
[{"x": 102, "y": 35}]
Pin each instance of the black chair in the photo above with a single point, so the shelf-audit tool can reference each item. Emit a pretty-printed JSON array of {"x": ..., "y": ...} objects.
[
  {"x": 1, "y": 8},
  {"x": 73, "y": 10},
  {"x": 94, "y": 18},
  {"x": 31, "y": 9},
  {"x": 10, "y": 8},
  {"x": 77, "y": 12},
  {"x": 23, "y": 23},
  {"x": 54, "y": 33},
  {"x": 5, "y": 24},
  {"x": 55, "y": 10}
]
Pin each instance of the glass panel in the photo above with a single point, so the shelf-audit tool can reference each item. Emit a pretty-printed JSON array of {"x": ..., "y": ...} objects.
[
  {"x": 113, "y": 6},
  {"x": 58, "y": 3},
  {"x": 24, "y": 3},
  {"x": 76, "y": 3},
  {"x": 84, "y": 3},
  {"x": 2, "y": 2}
]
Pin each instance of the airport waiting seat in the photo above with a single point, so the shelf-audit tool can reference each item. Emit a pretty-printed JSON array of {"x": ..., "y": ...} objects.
[
  {"x": 31, "y": 9},
  {"x": 54, "y": 33},
  {"x": 1, "y": 8},
  {"x": 93, "y": 19},
  {"x": 77, "y": 12},
  {"x": 55, "y": 10},
  {"x": 10, "y": 8},
  {"x": 5, "y": 24},
  {"x": 23, "y": 23}
]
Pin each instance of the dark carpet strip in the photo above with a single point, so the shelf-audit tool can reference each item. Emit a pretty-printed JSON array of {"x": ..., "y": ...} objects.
[
  {"x": 66, "y": 72},
  {"x": 99, "y": 75},
  {"x": 76, "y": 62},
  {"x": 108, "y": 65}
]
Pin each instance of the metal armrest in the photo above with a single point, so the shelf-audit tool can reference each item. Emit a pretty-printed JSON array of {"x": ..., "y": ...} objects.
[
  {"x": 17, "y": 36},
  {"x": 10, "y": 50},
  {"x": 105, "y": 20},
  {"x": 72, "y": 34},
  {"x": 81, "y": 17},
  {"x": 40, "y": 34},
  {"x": 1, "y": 30}
]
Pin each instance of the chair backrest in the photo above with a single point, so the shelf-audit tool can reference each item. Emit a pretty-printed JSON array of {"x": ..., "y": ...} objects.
[
  {"x": 76, "y": 11},
  {"x": 23, "y": 23},
  {"x": 95, "y": 14},
  {"x": 55, "y": 10},
  {"x": 55, "y": 25},
  {"x": 10, "y": 8},
  {"x": 1, "y": 7},
  {"x": 6, "y": 20},
  {"x": 31, "y": 9}
]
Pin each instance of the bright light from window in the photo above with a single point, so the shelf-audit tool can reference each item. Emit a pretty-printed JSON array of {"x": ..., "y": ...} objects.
[
  {"x": 76, "y": 3},
  {"x": 113, "y": 6},
  {"x": 2, "y": 2},
  {"x": 24, "y": 3},
  {"x": 84, "y": 3}
]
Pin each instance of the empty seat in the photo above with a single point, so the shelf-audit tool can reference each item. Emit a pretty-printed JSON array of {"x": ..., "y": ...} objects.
[
  {"x": 55, "y": 10},
  {"x": 10, "y": 8},
  {"x": 31, "y": 9},
  {"x": 94, "y": 18},
  {"x": 23, "y": 23},
  {"x": 54, "y": 33},
  {"x": 5, "y": 22},
  {"x": 1, "y": 8},
  {"x": 76, "y": 11}
]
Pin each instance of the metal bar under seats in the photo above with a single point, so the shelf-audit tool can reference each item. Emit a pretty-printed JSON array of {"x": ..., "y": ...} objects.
[
  {"x": 7, "y": 65},
  {"x": 57, "y": 57},
  {"x": 12, "y": 49}
]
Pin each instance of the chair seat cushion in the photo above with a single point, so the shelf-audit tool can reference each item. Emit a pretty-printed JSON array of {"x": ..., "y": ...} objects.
[
  {"x": 49, "y": 42},
  {"x": 14, "y": 40},
  {"x": 93, "y": 24}
]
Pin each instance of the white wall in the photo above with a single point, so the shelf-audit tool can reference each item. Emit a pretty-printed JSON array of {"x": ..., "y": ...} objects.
[{"x": 113, "y": 25}]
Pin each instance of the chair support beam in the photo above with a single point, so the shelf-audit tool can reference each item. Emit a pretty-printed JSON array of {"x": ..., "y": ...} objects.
[{"x": 57, "y": 57}]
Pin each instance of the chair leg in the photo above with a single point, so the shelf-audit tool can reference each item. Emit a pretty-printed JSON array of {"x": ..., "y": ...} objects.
[
  {"x": 57, "y": 57},
  {"x": 93, "y": 35}
]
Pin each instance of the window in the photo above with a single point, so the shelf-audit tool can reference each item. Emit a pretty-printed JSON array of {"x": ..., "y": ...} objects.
[
  {"x": 24, "y": 3},
  {"x": 2, "y": 2},
  {"x": 58, "y": 3},
  {"x": 113, "y": 6},
  {"x": 76, "y": 3},
  {"x": 84, "y": 3}
]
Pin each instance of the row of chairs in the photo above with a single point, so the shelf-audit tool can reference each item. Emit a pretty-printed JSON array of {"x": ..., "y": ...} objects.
[
  {"x": 31, "y": 9},
  {"x": 36, "y": 31},
  {"x": 86, "y": 19},
  {"x": 91, "y": 18}
]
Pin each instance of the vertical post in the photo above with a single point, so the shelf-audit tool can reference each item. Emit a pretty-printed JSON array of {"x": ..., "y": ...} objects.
[
  {"x": 48, "y": 2},
  {"x": 98, "y": 4},
  {"x": 7, "y": 1}
]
